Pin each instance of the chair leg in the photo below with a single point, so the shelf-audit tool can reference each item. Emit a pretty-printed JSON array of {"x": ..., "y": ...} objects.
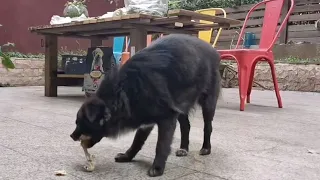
[
  {"x": 243, "y": 76},
  {"x": 275, "y": 83},
  {"x": 251, "y": 81}
]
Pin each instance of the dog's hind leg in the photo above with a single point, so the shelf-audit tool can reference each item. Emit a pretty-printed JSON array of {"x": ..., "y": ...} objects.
[
  {"x": 166, "y": 130},
  {"x": 208, "y": 103},
  {"x": 139, "y": 139},
  {"x": 185, "y": 130}
]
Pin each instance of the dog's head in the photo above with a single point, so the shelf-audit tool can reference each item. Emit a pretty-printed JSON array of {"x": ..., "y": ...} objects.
[{"x": 90, "y": 122}]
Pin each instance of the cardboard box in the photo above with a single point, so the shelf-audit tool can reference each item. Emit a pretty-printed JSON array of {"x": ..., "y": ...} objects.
[{"x": 98, "y": 62}]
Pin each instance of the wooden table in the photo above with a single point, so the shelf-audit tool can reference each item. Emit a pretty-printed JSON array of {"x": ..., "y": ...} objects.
[{"x": 137, "y": 26}]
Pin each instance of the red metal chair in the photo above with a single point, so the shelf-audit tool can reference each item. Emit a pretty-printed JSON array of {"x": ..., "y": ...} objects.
[{"x": 248, "y": 58}]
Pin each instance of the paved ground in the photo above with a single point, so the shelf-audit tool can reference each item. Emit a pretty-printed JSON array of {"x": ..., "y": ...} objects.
[{"x": 263, "y": 142}]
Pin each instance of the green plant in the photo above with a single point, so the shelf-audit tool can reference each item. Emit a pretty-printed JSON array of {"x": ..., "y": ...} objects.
[
  {"x": 202, "y": 4},
  {"x": 75, "y": 8},
  {"x": 298, "y": 60},
  {"x": 6, "y": 60}
]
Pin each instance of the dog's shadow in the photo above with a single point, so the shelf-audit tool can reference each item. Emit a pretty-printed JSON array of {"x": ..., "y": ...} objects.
[
  {"x": 111, "y": 166},
  {"x": 75, "y": 98}
]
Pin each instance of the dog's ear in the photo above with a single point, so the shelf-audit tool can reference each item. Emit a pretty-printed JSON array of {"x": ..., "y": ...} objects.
[
  {"x": 107, "y": 114},
  {"x": 91, "y": 113},
  {"x": 94, "y": 109},
  {"x": 106, "y": 117}
]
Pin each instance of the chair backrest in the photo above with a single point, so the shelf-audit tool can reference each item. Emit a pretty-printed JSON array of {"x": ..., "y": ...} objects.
[
  {"x": 270, "y": 22},
  {"x": 271, "y": 18},
  {"x": 207, "y": 34}
]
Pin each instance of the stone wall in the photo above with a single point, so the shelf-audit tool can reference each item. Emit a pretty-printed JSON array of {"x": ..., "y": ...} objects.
[
  {"x": 28, "y": 72},
  {"x": 291, "y": 77}
]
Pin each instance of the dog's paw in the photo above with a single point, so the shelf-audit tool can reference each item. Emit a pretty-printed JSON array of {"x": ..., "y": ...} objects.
[
  {"x": 155, "y": 171},
  {"x": 204, "y": 152},
  {"x": 122, "y": 157},
  {"x": 181, "y": 152}
]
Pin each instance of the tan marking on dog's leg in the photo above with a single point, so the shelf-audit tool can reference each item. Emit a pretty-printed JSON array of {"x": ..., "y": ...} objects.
[
  {"x": 90, "y": 166},
  {"x": 84, "y": 138}
]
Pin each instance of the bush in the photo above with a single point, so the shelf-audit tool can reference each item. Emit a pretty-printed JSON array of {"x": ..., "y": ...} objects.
[{"x": 203, "y": 4}]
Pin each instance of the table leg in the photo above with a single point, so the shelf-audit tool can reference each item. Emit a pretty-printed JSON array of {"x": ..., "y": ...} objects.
[
  {"x": 51, "y": 63},
  {"x": 138, "y": 39}
]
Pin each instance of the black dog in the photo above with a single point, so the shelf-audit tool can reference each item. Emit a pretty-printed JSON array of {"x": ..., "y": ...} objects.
[{"x": 157, "y": 85}]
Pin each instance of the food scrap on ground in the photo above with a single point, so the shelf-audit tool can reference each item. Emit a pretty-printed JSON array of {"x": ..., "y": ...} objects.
[{"x": 60, "y": 173}]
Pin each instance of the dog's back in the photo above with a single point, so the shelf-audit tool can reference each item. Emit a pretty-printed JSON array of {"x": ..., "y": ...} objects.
[{"x": 172, "y": 72}]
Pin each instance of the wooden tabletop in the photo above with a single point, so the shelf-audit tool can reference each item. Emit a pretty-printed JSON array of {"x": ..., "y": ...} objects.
[{"x": 177, "y": 21}]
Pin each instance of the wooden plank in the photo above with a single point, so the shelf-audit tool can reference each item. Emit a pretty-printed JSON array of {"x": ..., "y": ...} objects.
[
  {"x": 243, "y": 8},
  {"x": 254, "y": 22},
  {"x": 138, "y": 39},
  {"x": 297, "y": 28},
  {"x": 229, "y": 38},
  {"x": 304, "y": 34},
  {"x": 314, "y": 40},
  {"x": 306, "y": 8},
  {"x": 126, "y": 17},
  {"x": 198, "y": 16},
  {"x": 105, "y": 32},
  {"x": 304, "y": 17},
  {"x": 75, "y": 76},
  {"x": 171, "y": 20},
  {"x": 72, "y": 35},
  {"x": 51, "y": 61},
  {"x": 133, "y": 18},
  {"x": 242, "y": 16},
  {"x": 170, "y": 30},
  {"x": 303, "y": 2},
  {"x": 91, "y": 27},
  {"x": 257, "y": 30},
  {"x": 285, "y": 9},
  {"x": 233, "y": 31},
  {"x": 166, "y": 20},
  {"x": 223, "y": 45},
  {"x": 202, "y": 27}
]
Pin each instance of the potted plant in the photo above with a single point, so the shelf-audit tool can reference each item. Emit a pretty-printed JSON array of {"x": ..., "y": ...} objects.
[
  {"x": 5, "y": 59},
  {"x": 75, "y": 9}
]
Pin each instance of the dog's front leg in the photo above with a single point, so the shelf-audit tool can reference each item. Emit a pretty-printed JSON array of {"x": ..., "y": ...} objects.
[
  {"x": 166, "y": 130},
  {"x": 139, "y": 140},
  {"x": 90, "y": 158}
]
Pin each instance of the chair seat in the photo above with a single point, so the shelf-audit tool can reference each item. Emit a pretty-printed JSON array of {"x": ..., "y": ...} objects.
[
  {"x": 225, "y": 54},
  {"x": 242, "y": 50}
]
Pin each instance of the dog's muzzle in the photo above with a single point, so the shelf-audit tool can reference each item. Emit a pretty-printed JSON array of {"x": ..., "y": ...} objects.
[{"x": 76, "y": 134}]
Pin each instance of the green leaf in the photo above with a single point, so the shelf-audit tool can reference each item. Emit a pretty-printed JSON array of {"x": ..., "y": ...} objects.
[{"x": 6, "y": 61}]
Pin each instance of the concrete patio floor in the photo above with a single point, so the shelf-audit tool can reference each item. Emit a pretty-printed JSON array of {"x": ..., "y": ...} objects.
[{"x": 263, "y": 142}]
